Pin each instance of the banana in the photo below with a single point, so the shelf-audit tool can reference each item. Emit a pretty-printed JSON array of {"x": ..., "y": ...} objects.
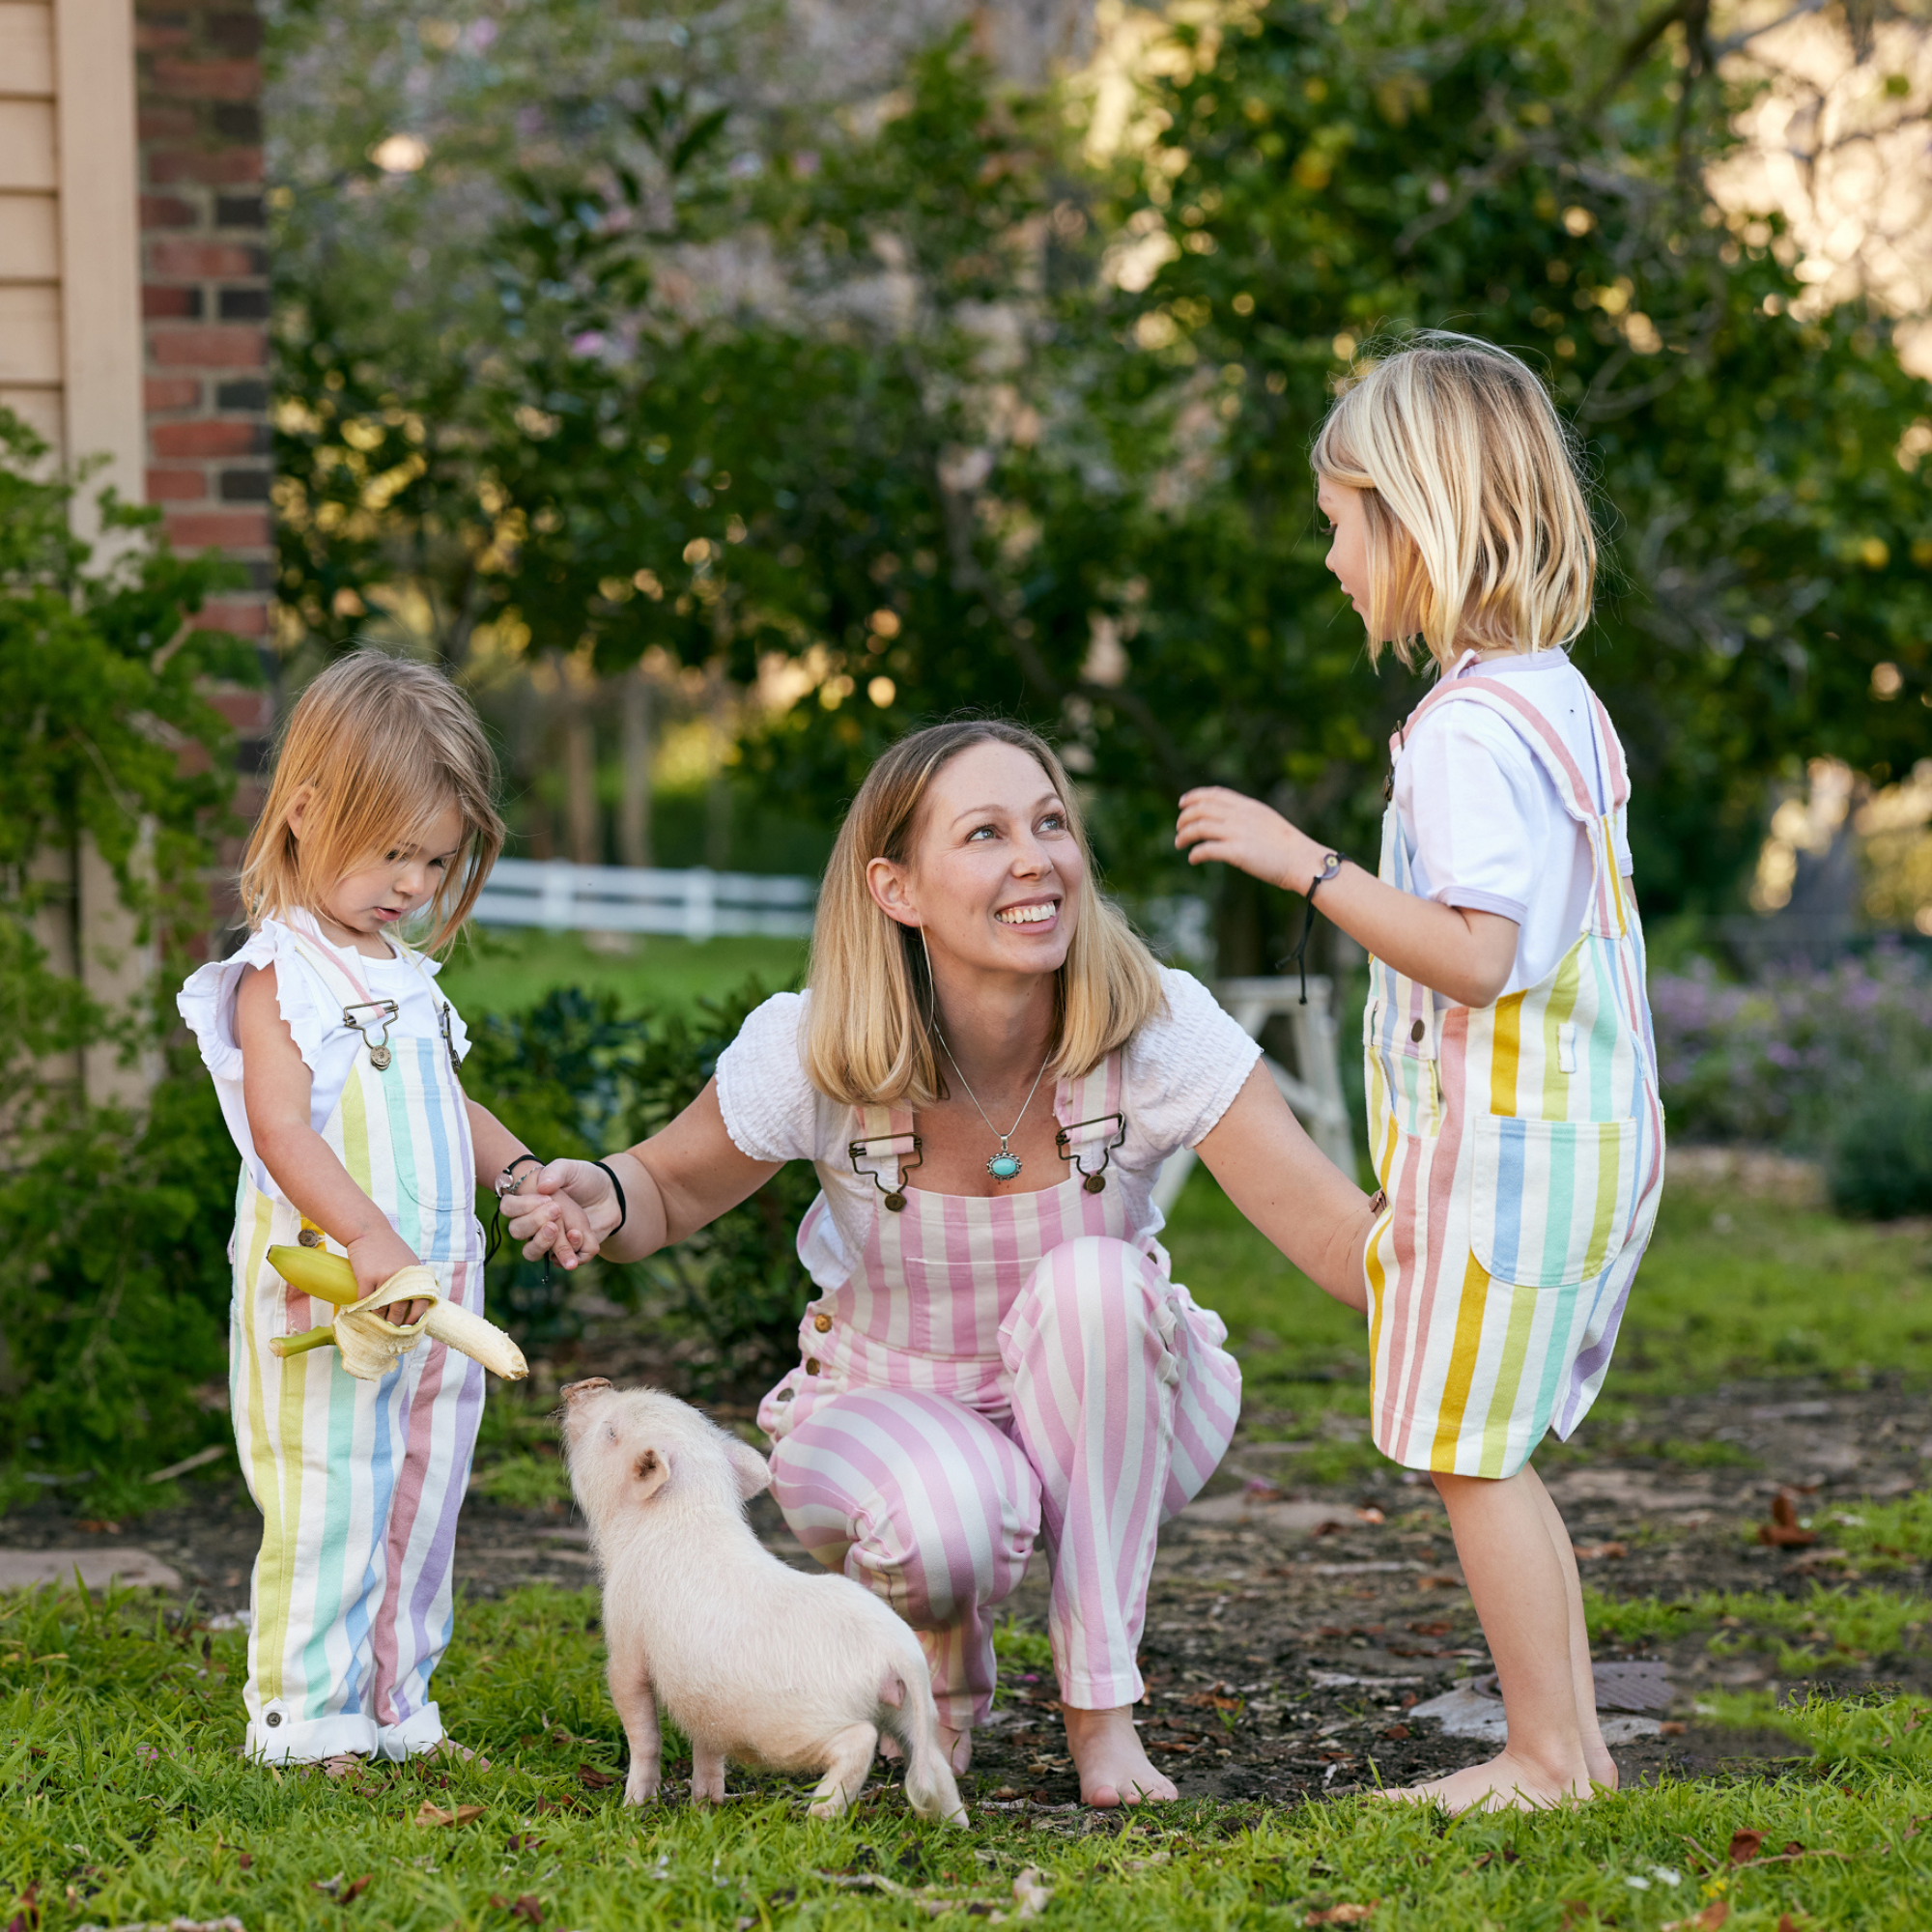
[{"x": 371, "y": 1345}]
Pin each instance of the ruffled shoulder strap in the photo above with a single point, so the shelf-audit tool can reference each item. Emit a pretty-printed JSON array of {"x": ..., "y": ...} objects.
[{"x": 206, "y": 1000}]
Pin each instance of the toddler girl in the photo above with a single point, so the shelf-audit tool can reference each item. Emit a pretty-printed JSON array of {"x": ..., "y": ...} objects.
[
  {"x": 1511, "y": 1078},
  {"x": 336, "y": 1060}
]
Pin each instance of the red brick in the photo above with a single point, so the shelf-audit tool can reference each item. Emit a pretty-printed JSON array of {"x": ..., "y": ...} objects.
[
  {"x": 209, "y": 347},
  {"x": 209, "y": 438},
  {"x": 223, "y": 529},
  {"x": 245, "y": 620},
  {"x": 151, "y": 37},
  {"x": 177, "y": 486},
  {"x": 224, "y": 167},
  {"x": 169, "y": 123},
  {"x": 170, "y": 302},
  {"x": 172, "y": 392},
  {"x": 206, "y": 80},
  {"x": 177, "y": 255},
  {"x": 250, "y": 712},
  {"x": 167, "y": 211}
]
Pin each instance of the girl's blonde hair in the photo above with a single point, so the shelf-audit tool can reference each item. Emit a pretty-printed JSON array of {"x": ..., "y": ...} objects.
[
  {"x": 1478, "y": 534},
  {"x": 376, "y": 748},
  {"x": 869, "y": 1038}
]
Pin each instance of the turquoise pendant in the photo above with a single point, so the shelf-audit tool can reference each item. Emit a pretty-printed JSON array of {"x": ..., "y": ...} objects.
[{"x": 1003, "y": 1166}]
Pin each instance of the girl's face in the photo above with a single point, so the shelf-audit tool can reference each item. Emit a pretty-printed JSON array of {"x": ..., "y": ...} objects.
[
  {"x": 1349, "y": 551},
  {"x": 384, "y": 891},
  {"x": 995, "y": 875}
]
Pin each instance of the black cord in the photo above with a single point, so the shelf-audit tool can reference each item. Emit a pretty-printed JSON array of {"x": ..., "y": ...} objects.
[
  {"x": 1298, "y": 959},
  {"x": 496, "y": 1220},
  {"x": 623, "y": 1205}
]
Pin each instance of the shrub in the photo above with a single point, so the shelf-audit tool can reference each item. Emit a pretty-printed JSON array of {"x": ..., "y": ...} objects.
[
  {"x": 1881, "y": 1160},
  {"x": 1787, "y": 1058}
]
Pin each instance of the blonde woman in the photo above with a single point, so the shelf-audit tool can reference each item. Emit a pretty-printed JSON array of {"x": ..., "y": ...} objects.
[
  {"x": 989, "y": 1071},
  {"x": 1512, "y": 1077}
]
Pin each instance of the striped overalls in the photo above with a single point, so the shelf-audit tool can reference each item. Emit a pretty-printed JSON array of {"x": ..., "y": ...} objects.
[
  {"x": 994, "y": 1371},
  {"x": 359, "y": 1483},
  {"x": 1520, "y": 1147}
]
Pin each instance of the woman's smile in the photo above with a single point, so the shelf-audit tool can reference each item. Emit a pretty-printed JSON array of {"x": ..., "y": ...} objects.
[{"x": 1030, "y": 912}]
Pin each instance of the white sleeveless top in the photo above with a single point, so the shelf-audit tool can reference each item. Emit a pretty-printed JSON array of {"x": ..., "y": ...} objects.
[{"x": 1179, "y": 1074}]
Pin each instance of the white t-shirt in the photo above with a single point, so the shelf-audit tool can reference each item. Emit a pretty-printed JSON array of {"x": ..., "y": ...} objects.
[
  {"x": 1484, "y": 822},
  {"x": 313, "y": 1010},
  {"x": 1179, "y": 1074}
]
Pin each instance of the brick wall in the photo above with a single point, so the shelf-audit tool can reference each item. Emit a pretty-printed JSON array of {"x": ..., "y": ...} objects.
[{"x": 205, "y": 272}]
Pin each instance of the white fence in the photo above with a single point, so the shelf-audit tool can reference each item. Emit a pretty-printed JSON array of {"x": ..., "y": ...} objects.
[{"x": 694, "y": 905}]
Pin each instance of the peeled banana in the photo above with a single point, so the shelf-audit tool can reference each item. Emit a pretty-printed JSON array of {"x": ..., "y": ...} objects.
[{"x": 370, "y": 1346}]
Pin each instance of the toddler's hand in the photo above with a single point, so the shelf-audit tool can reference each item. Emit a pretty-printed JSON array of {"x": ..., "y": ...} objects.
[
  {"x": 375, "y": 1257},
  {"x": 563, "y": 1213},
  {"x": 1224, "y": 825}
]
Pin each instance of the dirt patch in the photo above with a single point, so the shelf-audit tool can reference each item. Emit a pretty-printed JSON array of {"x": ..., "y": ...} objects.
[{"x": 1291, "y": 1632}]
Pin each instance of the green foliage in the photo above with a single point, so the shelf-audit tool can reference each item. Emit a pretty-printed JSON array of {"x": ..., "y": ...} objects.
[
  {"x": 575, "y": 1075},
  {"x": 112, "y": 1284},
  {"x": 1881, "y": 1162}
]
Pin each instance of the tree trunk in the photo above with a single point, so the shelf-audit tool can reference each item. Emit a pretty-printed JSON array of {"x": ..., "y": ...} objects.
[
  {"x": 634, "y": 800},
  {"x": 580, "y": 772},
  {"x": 718, "y": 797}
]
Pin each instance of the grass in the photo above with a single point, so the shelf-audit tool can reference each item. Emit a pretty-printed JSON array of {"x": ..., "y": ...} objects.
[
  {"x": 501, "y": 971},
  {"x": 123, "y": 1801},
  {"x": 1809, "y": 1632}
]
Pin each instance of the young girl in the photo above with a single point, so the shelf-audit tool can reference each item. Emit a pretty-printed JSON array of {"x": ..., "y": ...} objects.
[
  {"x": 336, "y": 1061},
  {"x": 1511, "y": 1078}
]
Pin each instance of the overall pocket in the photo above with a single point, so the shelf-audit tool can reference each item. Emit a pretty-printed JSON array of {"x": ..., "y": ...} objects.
[{"x": 1554, "y": 1200}]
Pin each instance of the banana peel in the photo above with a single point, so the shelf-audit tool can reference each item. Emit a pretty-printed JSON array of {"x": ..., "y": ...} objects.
[{"x": 371, "y": 1346}]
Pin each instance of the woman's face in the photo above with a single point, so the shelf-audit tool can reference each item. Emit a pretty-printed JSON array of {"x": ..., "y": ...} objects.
[
  {"x": 1349, "y": 551},
  {"x": 995, "y": 873}
]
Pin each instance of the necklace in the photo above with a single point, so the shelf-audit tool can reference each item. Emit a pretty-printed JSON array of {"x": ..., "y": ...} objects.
[{"x": 1004, "y": 1165}]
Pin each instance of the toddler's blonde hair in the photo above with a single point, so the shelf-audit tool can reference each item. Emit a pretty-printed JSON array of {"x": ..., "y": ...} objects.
[
  {"x": 869, "y": 1040},
  {"x": 375, "y": 748},
  {"x": 1478, "y": 534}
]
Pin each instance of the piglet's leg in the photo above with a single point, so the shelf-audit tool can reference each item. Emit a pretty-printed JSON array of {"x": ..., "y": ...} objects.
[
  {"x": 848, "y": 1757},
  {"x": 638, "y": 1712},
  {"x": 707, "y": 1773}
]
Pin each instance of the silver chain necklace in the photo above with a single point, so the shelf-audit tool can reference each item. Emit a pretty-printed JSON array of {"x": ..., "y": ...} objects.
[{"x": 1004, "y": 1165}]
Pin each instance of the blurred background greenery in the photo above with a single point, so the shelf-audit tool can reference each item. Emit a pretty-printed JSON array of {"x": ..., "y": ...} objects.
[{"x": 716, "y": 413}]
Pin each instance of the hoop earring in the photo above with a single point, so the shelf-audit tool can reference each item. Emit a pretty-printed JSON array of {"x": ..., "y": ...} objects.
[{"x": 931, "y": 984}]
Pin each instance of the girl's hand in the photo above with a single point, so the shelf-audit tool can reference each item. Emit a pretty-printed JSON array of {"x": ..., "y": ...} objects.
[
  {"x": 564, "y": 1211},
  {"x": 1222, "y": 824},
  {"x": 375, "y": 1257}
]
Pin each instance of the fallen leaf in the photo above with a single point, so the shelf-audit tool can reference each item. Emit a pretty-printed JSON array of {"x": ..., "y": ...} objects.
[
  {"x": 1745, "y": 1846},
  {"x": 1784, "y": 1531},
  {"x": 524, "y": 1841},
  {"x": 1395, "y": 1732},
  {"x": 355, "y": 1889},
  {"x": 1342, "y": 1915},
  {"x": 1709, "y": 1919},
  {"x": 463, "y": 1814},
  {"x": 1432, "y": 1630},
  {"x": 597, "y": 1780},
  {"x": 1672, "y": 1727},
  {"x": 1593, "y": 1552},
  {"x": 1368, "y": 1512}
]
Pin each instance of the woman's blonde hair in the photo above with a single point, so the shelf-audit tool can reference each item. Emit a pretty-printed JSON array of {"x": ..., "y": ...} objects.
[
  {"x": 869, "y": 1040},
  {"x": 376, "y": 747},
  {"x": 1478, "y": 534}
]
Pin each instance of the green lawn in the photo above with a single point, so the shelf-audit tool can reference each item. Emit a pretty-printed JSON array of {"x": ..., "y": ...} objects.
[{"x": 497, "y": 972}]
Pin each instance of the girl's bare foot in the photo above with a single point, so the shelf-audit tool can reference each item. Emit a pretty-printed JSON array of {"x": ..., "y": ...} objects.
[
  {"x": 1113, "y": 1766},
  {"x": 1506, "y": 1783}
]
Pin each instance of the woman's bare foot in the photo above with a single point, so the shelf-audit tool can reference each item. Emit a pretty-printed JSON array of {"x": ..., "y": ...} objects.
[
  {"x": 1506, "y": 1783},
  {"x": 1113, "y": 1766}
]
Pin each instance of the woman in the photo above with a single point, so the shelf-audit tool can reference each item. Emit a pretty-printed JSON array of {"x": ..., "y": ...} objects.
[{"x": 997, "y": 1352}]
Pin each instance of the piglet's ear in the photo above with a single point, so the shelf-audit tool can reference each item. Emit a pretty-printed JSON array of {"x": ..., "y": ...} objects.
[
  {"x": 653, "y": 1473},
  {"x": 753, "y": 1471}
]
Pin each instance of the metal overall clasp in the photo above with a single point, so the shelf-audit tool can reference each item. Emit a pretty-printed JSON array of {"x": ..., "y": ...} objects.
[
  {"x": 1094, "y": 1179},
  {"x": 380, "y": 1053},
  {"x": 887, "y": 1146}
]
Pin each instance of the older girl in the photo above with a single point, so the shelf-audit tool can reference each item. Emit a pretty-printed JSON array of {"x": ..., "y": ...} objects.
[
  {"x": 987, "y": 1072},
  {"x": 1511, "y": 1078}
]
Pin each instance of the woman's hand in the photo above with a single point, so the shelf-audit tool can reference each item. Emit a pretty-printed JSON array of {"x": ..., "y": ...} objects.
[
  {"x": 1244, "y": 832},
  {"x": 564, "y": 1210},
  {"x": 375, "y": 1257}
]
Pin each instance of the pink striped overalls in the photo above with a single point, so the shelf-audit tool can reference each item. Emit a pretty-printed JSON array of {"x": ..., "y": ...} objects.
[{"x": 994, "y": 1370}]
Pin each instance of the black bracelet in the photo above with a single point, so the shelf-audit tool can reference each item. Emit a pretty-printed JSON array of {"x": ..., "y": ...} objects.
[
  {"x": 623, "y": 1205},
  {"x": 511, "y": 1167}
]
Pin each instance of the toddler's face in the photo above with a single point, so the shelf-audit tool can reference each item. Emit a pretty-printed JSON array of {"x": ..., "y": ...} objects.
[
  {"x": 384, "y": 890},
  {"x": 1349, "y": 551}
]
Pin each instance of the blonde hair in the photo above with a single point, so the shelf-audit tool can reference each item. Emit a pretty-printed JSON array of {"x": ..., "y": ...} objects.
[
  {"x": 869, "y": 1038},
  {"x": 374, "y": 750},
  {"x": 1478, "y": 534}
]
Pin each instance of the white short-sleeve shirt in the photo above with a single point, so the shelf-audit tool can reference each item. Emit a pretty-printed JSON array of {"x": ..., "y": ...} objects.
[
  {"x": 1179, "y": 1074},
  {"x": 313, "y": 1011},
  {"x": 1484, "y": 823}
]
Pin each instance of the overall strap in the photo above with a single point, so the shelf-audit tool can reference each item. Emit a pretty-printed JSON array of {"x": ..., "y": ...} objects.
[
  {"x": 1093, "y": 1120},
  {"x": 337, "y": 973},
  {"x": 1579, "y": 797},
  {"x": 885, "y": 1148}
]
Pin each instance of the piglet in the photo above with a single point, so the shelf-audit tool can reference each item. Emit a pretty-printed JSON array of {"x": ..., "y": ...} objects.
[{"x": 754, "y": 1661}]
